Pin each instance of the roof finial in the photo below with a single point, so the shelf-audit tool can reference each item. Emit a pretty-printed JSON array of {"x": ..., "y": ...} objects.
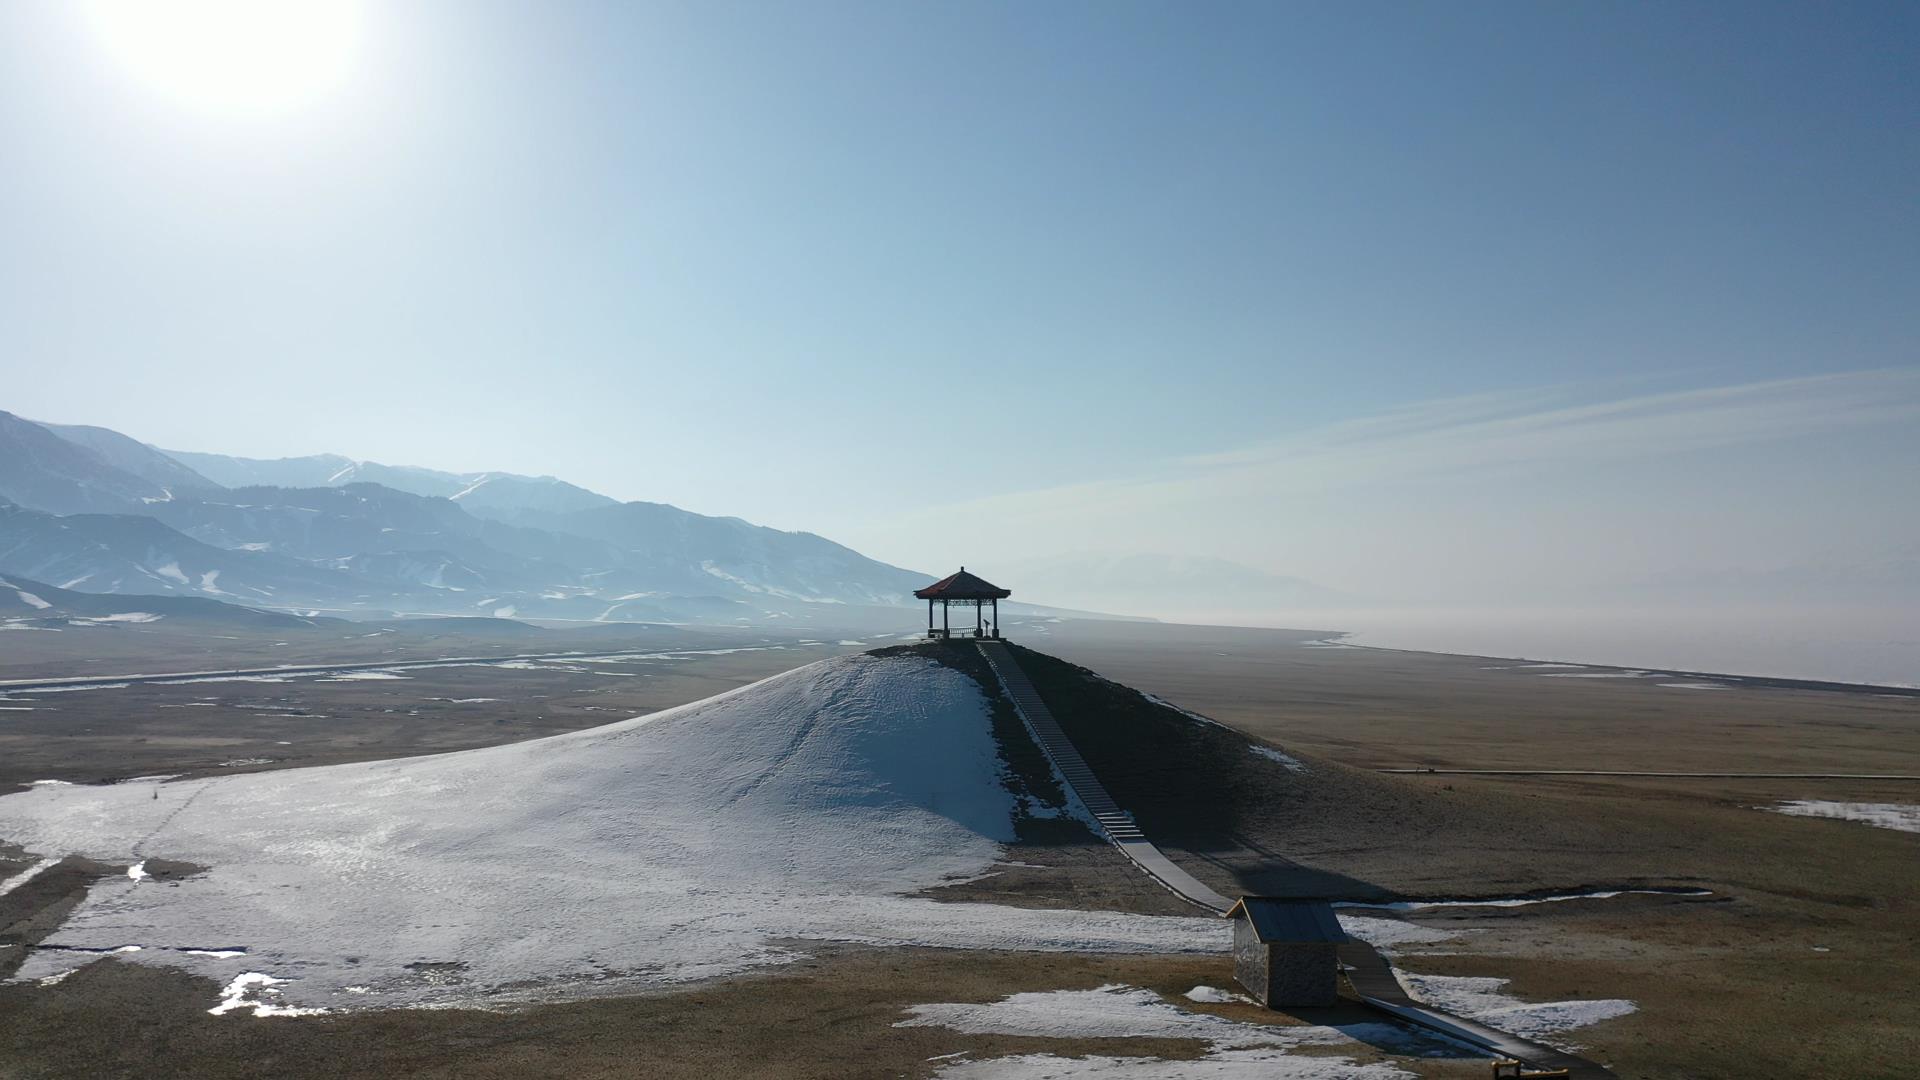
[{"x": 963, "y": 568}]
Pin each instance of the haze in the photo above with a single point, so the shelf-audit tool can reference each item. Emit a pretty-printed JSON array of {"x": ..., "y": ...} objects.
[{"x": 1429, "y": 307}]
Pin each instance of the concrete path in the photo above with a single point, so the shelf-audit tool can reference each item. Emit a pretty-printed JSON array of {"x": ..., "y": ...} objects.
[{"x": 1369, "y": 973}]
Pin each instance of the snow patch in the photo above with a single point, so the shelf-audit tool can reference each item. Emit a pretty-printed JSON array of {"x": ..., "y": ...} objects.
[
  {"x": 171, "y": 572},
  {"x": 1292, "y": 763},
  {"x": 1481, "y": 998},
  {"x": 1517, "y": 901},
  {"x": 1213, "y": 995},
  {"x": 1235, "y": 1048},
  {"x": 1899, "y": 816},
  {"x": 24, "y": 876},
  {"x": 31, "y": 600},
  {"x": 1388, "y": 934},
  {"x": 260, "y": 992}
]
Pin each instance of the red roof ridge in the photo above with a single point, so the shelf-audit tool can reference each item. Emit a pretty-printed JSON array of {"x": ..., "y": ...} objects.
[{"x": 963, "y": 586}]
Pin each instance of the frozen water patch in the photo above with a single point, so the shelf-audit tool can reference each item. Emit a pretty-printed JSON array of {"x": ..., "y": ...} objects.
[
  {"x": 1481, "y": 998},
  {"x": 639, "y": 848},
  {"x": 1694, "y": 686},
  {"x": 1898, "y": 816},
  {"x": 138, "y": 871},
  {"x": 363, "y": 676},
  {"x": 1292, "y": 763}
]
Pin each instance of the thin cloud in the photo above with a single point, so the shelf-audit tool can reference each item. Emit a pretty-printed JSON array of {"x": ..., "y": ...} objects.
[{"x": 1523, "y": 430}]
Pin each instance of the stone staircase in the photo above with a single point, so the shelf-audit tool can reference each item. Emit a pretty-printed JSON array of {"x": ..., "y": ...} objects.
[{"x": 1046, "y": 731}]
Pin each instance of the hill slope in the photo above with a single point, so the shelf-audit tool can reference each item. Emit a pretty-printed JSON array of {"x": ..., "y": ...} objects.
[
  {"x": 682, "y": 845},
  {"x": 24, "y": 602},
  {"x": 39, "y": 469},
  {"x": 133, "y": 456}
]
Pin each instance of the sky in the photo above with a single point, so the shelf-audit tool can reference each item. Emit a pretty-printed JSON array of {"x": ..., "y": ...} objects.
[{"x": 1423, "y": 303}]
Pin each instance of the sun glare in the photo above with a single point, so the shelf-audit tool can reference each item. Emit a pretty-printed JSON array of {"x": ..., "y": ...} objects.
[{"x": 235, "y": 56}]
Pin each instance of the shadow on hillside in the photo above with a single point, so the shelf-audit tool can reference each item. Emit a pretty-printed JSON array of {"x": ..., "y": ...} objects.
[{"x": 1193, "y": 787}]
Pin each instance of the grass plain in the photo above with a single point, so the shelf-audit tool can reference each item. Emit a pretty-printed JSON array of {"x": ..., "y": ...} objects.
[{"x": 1801, "y": 963}]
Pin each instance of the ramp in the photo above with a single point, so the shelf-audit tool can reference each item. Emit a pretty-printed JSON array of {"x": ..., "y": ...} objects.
[{"x": 1083, "y": 785}]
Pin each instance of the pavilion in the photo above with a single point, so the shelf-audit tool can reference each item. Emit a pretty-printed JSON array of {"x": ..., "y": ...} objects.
[{"x": 963, "y": 588}]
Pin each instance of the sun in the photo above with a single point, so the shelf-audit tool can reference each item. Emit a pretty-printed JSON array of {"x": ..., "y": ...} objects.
[{"x": 234, "y": 56}]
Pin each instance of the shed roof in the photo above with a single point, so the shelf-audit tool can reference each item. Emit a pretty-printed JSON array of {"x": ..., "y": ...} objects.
[
  {"x": 963, "y": 586},
  {"x": 1289, "y": 921}
]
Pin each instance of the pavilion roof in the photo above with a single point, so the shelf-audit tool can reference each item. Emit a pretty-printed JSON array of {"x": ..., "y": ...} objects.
[{"x": 963, "y": 586}]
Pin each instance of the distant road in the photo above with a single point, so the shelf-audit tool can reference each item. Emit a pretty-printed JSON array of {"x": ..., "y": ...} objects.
[
  {"x": 13, "y": 685},
  {"x": 1684, "y": 775}
]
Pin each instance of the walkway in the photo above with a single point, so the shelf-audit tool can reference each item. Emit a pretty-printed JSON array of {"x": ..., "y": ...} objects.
[
  {"x": 1369, "y": 973},
  {"x": 1084, "y": 786}
]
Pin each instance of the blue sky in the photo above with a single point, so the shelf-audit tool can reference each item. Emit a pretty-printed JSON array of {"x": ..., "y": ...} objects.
[{"x": 846, "y": 266}]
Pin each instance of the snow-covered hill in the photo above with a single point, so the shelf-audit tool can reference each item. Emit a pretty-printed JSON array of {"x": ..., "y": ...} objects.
[{"x": 683, "y": 845}]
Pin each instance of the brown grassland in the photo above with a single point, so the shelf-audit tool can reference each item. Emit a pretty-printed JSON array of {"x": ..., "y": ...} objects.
[{"x": 1802, "y": 962}]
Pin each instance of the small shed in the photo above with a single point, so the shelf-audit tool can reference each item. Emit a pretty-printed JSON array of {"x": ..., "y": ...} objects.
[{"x": 1285, "y": 951}]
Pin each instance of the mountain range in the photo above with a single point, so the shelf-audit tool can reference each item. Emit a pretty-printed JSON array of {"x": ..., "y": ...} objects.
[{"x": 91, "y": 509}]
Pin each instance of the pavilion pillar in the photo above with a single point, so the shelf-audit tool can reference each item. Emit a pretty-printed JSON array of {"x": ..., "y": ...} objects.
[
  {"x": 996, "y": 616},
  {"x": 946, "y": 622},
  {"x": 976, "y": 618}
]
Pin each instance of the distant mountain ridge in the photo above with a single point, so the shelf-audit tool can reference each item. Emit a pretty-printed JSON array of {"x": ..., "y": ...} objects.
[
  {"x": 24, "y": 602},
  {"x": 499, "y": 492},
  {"x": 92, "y": 509}
]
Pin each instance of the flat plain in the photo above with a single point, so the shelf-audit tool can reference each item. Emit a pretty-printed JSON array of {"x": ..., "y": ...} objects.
[{"x": 1795, "y": 956}]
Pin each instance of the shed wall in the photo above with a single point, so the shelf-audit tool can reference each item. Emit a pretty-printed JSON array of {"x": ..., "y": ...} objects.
[
  {"x": 1249, "y": 960},
  {"x": 1302, "y": 974}
]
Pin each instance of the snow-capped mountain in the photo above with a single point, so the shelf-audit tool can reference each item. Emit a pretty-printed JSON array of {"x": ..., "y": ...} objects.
[{"x": 332, "y": 533}]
